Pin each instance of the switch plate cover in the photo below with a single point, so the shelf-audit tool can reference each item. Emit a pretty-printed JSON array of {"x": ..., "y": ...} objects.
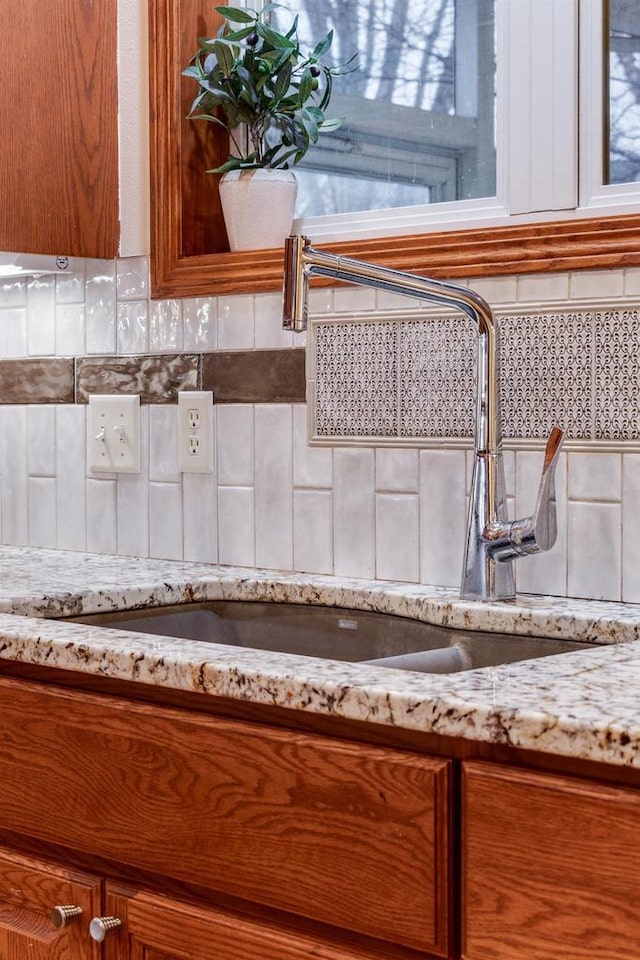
[
  {"x": 113, "y": 434},
  {"x": 195, "y": 431}
]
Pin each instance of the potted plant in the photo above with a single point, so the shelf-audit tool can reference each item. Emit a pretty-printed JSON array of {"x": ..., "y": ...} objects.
[{"x": 270, "y": 96}]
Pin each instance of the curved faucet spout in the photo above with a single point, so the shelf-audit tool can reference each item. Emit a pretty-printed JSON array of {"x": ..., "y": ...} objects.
[{"x": 486, "y": 576}]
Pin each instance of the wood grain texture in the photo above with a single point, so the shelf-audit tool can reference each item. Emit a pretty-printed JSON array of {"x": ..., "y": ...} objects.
[
  {"x": 189, "y": 249},
  {"x": 350, "y": 835},
  {"x": 160, "y": 928},
  {"x": 550, "y": 867},
  {"x": 29, "y": 889},
  {"x": 58, "y": 116}
]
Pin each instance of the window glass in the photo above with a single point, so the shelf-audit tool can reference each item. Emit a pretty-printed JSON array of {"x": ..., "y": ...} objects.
[
  {"x": 624, "y": 92},
  {"x": 419, "y": 113}
]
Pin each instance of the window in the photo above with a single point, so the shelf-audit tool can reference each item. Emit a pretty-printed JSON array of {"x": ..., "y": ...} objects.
[
  {"x": 623, "y": 120},
  {"x": 551, "y": 115},
  {"x": 419, "y": 123},
  {"x": 437, "y": 133}
]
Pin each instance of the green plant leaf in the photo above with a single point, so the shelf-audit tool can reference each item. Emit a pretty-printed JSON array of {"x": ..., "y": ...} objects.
[
  {"x": 283, "y": 81},
  {"x": 225, "y": 57},
  {"x": 237, "y": 15},
  {"x": 276, "y": 40},
  {"x": 323, "y": 46}
]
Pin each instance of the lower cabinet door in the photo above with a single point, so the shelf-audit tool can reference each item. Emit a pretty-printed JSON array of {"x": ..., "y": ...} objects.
[
  {"x": 154, "y": 927},
  {"x": 551, "y": 867},
  {"x": 33, "y": 925}
]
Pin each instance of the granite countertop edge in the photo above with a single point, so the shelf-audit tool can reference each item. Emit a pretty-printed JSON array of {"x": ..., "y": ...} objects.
[{"x": 584, "y": 705}]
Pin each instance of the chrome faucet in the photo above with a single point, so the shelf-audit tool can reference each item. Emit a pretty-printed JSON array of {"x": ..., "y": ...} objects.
[{"x": 493, "y": 541}]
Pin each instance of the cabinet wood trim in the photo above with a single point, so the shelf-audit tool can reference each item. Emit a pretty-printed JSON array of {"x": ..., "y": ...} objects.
[{"x": 189, "y": 250}]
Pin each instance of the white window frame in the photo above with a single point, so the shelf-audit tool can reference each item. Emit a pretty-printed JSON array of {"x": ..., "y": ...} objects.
[{"x": 549, "y": 125}]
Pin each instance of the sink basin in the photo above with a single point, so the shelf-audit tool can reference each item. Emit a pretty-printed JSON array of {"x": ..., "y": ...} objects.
[{"x": 334, "y": 633}]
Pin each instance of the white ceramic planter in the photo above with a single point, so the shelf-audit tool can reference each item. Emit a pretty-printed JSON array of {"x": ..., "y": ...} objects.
[{"x": 258, "y": 207}]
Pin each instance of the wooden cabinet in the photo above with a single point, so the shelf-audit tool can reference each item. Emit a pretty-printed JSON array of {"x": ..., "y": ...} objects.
[
  {"x": 30, "y": 888},
  {"x": 348, "y": 836},
  {"x": 551, "y": 867},
  {"x": 59, "y": 116}
]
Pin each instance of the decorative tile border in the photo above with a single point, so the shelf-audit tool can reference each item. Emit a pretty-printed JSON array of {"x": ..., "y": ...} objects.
[
  {"x": 410, "y": 379},
  {"x": 156, "y": 379},
  {"x": 255, "y": 376},
  {"x": 237, "y": 376},
  {"x": 36, "y": 381}
]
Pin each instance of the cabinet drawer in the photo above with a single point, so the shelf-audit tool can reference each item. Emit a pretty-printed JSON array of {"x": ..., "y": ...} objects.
[
  {"x": 351, "y": 835},
  {"x": 550, "y": 867},
  {"x": 166, "y": 929}
]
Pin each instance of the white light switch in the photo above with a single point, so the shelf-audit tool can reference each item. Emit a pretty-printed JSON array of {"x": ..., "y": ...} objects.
[{"x": 113, "y": 434}]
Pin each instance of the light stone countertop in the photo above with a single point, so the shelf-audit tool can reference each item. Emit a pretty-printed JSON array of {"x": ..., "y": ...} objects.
[{"x": 579, "y": 704}]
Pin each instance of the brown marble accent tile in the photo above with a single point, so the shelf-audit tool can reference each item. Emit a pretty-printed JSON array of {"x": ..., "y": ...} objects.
[
  {"x": 38, "y": 380},
  {"x": 156, "y": 378},
  {"x": 255, "y": 376}
]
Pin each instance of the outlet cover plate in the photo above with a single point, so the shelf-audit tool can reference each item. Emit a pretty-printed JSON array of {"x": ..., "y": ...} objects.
[
  {"x": 195, "y": 431},
  {"x": 113, "y": 434}
]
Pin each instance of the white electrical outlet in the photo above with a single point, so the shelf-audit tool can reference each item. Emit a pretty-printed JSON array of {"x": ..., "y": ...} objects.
[
  {"x": 113, "y": 434},
  {"x": 195, "y": 431}
]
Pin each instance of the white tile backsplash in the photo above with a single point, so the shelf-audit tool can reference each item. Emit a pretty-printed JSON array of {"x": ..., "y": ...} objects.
[
  {"x": 13, "y": 460},
  {"x": 42, "y": 511},
  {"x": 354, "y": 513},
  {"x": 71, "y": 472},
  {"x": 312, "y": 466},
  {"x": 41, "y": 440},
  {"x": 397, "y": 470},
  {"x": 100, "y": 307},
  {"x": 41, "y": 316},
  {"x": 235, "y": 444},
  {"x": 274, "y": 486},
  {"x": 393, "y": 512},
  {"x": 70, "y": 329},
  {"x": 200, "y": 324},
  {"x": 200, "y": 517},
  {"x": 268, "y": 323},
  {"x": 132, "y": 331},
  {"x": 132, "y": 278},
  {"x": 443, "y": 505},
  {"x": 595, "y": 550},
  {"x": 313, "y": 531},
  {"x": 236, "y": 323},
  {"x": 163, "y": 443},
  {"x": 101, "y": 516},
  {"x": 165, "y": 521},
  {"x": 236, "y": 526},
  {"x": 595, "y": 476},
  {"x": 165, "y": 326},
  {"x": 13, "y": 332},
  {"x": 631, "y": 528},
  {"x": 397, "y": 537}
]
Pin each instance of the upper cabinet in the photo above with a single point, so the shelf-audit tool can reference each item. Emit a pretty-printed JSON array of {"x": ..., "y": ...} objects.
[
  {"x": 74, "y": 146},
  {"x": 59, "y": 121}
]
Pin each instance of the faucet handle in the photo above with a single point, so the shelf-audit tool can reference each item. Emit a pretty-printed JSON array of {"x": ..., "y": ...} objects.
[{"x": 537, "y": 533}]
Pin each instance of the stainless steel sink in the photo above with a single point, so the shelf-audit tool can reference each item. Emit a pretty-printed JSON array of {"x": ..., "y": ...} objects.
[{"x": 334, "y": 633}]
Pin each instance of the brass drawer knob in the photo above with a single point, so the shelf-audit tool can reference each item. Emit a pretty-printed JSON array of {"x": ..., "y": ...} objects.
[
  {"x": 101, "y": 926},
  {"x": 65, "y": 913}
]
